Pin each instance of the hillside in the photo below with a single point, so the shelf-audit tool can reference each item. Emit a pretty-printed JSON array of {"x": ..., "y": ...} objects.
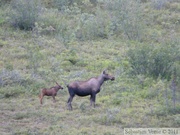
[{"x": 42, "y": 42}]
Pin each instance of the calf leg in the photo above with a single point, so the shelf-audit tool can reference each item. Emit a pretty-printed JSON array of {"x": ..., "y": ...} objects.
[
  {"x": 41, "y": 97},
  {"x": 54, "y": 100}
]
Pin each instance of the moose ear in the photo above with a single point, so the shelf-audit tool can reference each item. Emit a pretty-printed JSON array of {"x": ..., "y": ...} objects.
[{"x": 104, "y": 71}]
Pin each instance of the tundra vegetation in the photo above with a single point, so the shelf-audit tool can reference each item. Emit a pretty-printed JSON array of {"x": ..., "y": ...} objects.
[{"x": 67, "y": 40}]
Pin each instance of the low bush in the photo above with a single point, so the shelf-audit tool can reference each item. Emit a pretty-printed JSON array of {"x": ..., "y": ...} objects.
[
  {"x": 10, "y": 77},
  {"x": 60, "y": 4},
  {"x": 153, "y": 60},
  {"x": 24, "y": 13},
  {"x": 158, "y": 4},
  {"x": 90, "y": 28},
  {"x": 165, "y": 111},
  {"x": 8, "y": 91},
  {"x": 2, "y": 2},
  {"x": 127, "y": 19}
]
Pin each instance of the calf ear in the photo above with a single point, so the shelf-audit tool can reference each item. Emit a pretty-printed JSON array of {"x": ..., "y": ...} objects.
[{"x": 57, "y": 83}]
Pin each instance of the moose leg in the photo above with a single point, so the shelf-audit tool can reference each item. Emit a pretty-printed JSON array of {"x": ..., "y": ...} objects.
[
  {"x": 93, "y": 99},
  {"x": 69, "y": 102}
]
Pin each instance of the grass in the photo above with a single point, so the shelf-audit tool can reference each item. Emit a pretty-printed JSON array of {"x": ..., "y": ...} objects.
[
  {"x": 50, "y": 117},
  {"x": 31, "y": 60},
  {"x": 25, "y": 115}
]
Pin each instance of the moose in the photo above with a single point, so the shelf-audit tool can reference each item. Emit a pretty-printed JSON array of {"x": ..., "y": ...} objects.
[
  {"x": 90, "y": 87},
  {"x": 50, "y": 92}
]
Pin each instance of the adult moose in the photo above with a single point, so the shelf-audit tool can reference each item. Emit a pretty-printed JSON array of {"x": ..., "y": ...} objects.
[
  {"x": 90, "y": 87},
  {"x": 50, "y": 92}
]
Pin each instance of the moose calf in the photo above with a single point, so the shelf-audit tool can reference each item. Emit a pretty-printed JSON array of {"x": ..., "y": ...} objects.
[{"x": 50, "y": 92}]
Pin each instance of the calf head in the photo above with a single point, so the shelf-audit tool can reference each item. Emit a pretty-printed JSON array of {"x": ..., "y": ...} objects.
[
  {"x": 106, "y": 76},
  {"x": 59, "y": 86}
]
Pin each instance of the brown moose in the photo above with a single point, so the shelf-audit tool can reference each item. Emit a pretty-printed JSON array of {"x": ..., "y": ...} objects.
[
  {"x": 50, "y": 92},
  {"x": 90, "y": 87}
]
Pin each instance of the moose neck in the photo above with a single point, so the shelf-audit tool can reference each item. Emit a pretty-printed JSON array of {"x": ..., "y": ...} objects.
[{"x": 101, "y": 80}]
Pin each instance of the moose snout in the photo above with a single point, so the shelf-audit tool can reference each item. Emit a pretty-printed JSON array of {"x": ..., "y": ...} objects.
[{"x": 113, "y": 78}]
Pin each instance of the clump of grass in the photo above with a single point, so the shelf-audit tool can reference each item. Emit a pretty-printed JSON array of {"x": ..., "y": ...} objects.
[
  {"x": 20, "y": 116},
  {"x": 71, "y": 56},
  {"x": 111, "y": 117},
  {"x": 162, "y": 111},
  {"x": 2, "y": 42},
  {"x": 8, "y": 91}
]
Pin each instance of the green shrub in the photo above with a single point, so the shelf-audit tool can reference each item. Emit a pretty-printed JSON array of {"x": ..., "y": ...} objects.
[
  {"x": 4, "y": 8},
  {"x": 157, "y": 91},
  {"x": 11, "y": 91},
  {"x": 153, "y": 60},
  {"x": 91, "y": 27},
  {"x": 10, "y": 77},
  {"x": 87, "y": 28},
  {"x": 2, "y": 2},
  {"x": 59, "y": 4},
  {"x": 48, "y": 22},
  {"x": 65, "y": 31},
  {"x": 138, "y": 58},
  {"x": 24, "y": 13},
  {"x": 165, "y": 111},
  {"x": 127, "y": 18},
  {"x": 158, "y": 4}
]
